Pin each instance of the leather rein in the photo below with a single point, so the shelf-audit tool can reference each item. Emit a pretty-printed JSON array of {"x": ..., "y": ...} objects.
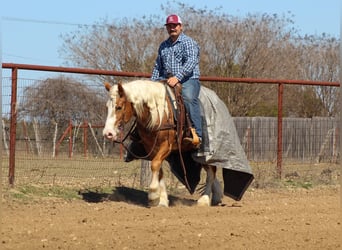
[{"x": 171, "y": 126}]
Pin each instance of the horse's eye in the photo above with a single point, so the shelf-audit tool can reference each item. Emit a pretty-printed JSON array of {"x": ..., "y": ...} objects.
[{"x": 117, "y": 108}]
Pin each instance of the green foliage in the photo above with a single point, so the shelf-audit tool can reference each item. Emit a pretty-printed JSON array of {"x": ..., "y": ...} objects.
[
  {"x": 31, "y": 192},
  {"x": 263, "y": 109},
  {"x": 298, "y": 184}
]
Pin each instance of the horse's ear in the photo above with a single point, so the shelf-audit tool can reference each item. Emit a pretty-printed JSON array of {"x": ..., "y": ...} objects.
[
  {"x": 107, "y": 86},
  {"x": 120, "y": 89}
]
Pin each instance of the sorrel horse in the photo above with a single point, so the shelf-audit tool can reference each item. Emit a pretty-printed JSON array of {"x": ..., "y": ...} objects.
[{"x": 148, "y": 102}]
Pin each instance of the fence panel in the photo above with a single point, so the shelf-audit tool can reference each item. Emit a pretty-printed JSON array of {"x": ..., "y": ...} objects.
[
  {"x": 77, "y": 153},
  {"x": 305, "y": 140}
]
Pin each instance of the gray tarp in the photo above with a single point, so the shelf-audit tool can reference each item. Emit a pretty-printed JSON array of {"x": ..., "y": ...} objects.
[{"x": 220, "y": 147}]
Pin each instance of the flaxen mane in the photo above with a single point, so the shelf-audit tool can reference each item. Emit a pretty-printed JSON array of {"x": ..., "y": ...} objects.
[{"x": 140, "y": 92}]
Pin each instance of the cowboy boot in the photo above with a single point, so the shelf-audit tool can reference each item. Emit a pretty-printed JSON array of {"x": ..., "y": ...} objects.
[{"x": 195, "y": 140}]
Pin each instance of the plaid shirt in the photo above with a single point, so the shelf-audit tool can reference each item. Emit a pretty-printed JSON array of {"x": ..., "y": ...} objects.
[{"x": 179, "y": 59}]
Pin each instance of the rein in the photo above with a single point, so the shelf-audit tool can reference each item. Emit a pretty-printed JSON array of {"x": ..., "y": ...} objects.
[
  {"x": 129, "y": 132},
  {"x": 154, "y": 143},
  {"x": 147, "y": 155},
  {"x": 180, "y": 114}
]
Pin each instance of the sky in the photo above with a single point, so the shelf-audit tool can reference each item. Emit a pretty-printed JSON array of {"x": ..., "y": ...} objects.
[{"x": 30, "y": 30}]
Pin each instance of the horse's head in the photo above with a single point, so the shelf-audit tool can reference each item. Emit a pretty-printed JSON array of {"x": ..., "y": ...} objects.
[{"x": 119, "y": 111}]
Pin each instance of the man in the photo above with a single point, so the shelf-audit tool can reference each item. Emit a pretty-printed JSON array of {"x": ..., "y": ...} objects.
[{"x": 178, "y": 62}]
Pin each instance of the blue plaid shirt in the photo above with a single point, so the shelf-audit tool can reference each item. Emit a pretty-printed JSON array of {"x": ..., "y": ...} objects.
[{"x": 179, "y": 59}]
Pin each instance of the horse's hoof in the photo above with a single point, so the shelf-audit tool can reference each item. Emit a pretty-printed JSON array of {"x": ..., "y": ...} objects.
[
  {"x": 153, "y": 203},
  {"x": 163, "y": 204},
  {"x": 204, "y": 201},
  {"x": 216, "y": 202}
]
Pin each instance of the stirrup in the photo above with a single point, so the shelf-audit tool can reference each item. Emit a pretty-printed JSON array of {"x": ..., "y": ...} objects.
[{"x": 195, "y": 140}]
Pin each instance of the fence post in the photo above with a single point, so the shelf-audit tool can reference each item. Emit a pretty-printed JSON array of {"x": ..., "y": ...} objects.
[
  {"x": 85, "y": 136},
  {"x": 13, "y": 126},
  {"x": 280, "y": 130},
  {"x": 70, "y": 139},
  {"x": 145, "y": 173}
]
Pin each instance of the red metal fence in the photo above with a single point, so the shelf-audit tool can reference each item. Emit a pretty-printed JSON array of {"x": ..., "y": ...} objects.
[{"x": 13, "y": 111}]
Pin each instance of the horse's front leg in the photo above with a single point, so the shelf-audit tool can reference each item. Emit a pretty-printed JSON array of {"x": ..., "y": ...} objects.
[
  {"x": 154, "y": 189},
  {"x": 163, "y": 199},
  {"x": 157, "y": 194},
  {"x": 204, "y": 200}
]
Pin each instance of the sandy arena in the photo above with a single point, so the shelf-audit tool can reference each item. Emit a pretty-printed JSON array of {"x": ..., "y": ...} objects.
[{"x": 263, "y": 219}]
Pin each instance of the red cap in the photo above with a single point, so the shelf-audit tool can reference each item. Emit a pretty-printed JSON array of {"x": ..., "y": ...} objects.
[{"x": 173, "y": 19}]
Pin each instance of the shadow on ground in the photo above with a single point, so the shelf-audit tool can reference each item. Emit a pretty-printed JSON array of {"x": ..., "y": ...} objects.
[{"x": 129, "y": 195}]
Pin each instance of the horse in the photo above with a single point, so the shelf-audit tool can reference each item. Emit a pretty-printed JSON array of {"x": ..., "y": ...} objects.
[{"x": 148, "y": 102}]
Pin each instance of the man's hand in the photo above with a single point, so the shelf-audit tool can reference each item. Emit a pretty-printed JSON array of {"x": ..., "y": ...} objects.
[{"x": 172, "y": 81}]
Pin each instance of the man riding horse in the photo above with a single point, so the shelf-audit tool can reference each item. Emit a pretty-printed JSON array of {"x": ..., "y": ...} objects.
[
  {"x": 178, "y": 62},
  {"x": 217, "y": 143}
]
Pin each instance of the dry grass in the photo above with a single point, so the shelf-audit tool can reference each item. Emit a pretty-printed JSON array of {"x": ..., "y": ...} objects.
[{"x": 109, "y": 172}]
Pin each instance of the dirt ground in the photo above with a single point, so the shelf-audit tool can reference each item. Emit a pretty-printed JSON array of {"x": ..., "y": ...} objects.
[{"x": 264, "y": 219}]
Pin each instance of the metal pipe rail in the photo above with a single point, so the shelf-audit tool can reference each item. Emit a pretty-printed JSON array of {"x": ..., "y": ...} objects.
[{"x": 16, "y": 67}]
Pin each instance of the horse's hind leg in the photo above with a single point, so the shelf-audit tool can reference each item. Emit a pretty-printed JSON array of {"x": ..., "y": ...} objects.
[
  {"x": 205, "y": 198},
  {"x": 217, "y": 193}
]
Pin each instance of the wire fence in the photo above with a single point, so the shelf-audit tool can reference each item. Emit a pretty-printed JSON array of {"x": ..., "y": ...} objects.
[{"x": 77, "y": 153}]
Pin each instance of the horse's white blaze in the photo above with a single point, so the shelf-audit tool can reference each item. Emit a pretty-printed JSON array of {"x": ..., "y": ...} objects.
[{"x": 110, "y": 131}]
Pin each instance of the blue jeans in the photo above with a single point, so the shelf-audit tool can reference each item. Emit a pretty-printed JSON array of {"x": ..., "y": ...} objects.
[{"x": 190, "y": 92}]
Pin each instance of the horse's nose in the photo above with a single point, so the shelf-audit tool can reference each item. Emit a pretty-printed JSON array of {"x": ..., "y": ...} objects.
[{"x": 109, "y": 134}]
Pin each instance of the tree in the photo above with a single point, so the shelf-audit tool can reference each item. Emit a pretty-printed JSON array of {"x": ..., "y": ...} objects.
[
  {"x": 123, "y": 46},
  {"x": 257, "y": 46},
  {"x": 302, "y": 101},
  {"x": 59, "y": 100},
  {"x": 322, "y": 57}
]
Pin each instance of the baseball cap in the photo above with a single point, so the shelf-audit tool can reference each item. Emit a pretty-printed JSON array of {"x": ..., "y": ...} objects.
[{"x": 173, "y": 19}]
